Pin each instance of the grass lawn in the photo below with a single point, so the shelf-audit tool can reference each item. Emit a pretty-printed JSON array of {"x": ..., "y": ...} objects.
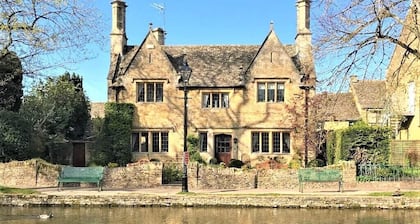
[
  {"x": 405, "y": 194},
  {"x": 8, "y": 190}
]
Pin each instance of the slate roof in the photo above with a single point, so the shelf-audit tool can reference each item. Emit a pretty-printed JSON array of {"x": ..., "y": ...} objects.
[
  {"x": 370, "y": 93},
  {"x": 221, "y": 66},
  {"x": 212, "y": 65},
  {"x": 336, "y": 107}
]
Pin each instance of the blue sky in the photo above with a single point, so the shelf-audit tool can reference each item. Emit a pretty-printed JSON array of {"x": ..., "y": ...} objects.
[{"x": 190, "y": 22}]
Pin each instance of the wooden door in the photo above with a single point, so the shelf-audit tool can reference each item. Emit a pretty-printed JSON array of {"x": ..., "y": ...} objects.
[
  {"x": 223, "y": 146},
  {"x": 79, "y": 154}
]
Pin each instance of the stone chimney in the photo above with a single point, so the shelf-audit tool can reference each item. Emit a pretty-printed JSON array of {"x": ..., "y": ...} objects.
[
  {"x": 118, "y": 35},
  {"x": 159, "y": 34},
  {"x": 303, "y": 37}
]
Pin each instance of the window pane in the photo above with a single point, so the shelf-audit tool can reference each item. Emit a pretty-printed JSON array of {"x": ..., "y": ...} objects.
[
  {"x": 223, "y": 143},
  {"x": 150, "y": 92},
  {"x": 206, "y": 100},
  {"x": 203, "y": 142},
  {"x": 276, "y": 141},
  {"x": 225, "y": 100},
  {"x": 135, "y": 142},
  {"x": 216, "y": 100},
  {"x": 144, "y": 141},
  {"x": 280, "y": 92},
  {"x": 261, "y": 92},
  {"x": 255, "y": 141},
  {"x": 271, "y": 88},
  {"x": 265, "y": 141},
  {"x": 159, "y": 92},
  {"x": 286, "y": 143},
  {"x": 140, "y": 92},
  {"x": 155, "y": 141},
  {"x": 164, "y": 141}
]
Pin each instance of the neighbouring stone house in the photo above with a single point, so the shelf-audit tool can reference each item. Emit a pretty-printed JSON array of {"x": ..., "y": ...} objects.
[
  {"x": 245, "y": 102},
  {"x": 365, "y": 101},
  {"x": 402, "y": 79}
]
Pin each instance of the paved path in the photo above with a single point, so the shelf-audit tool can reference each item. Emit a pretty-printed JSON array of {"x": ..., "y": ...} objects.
[{"x": 173, "y": 190}]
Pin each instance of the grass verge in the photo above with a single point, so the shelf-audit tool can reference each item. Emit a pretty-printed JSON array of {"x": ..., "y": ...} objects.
[
  {"x": 405, "y": 194},
  {"x": 9, "y": 190}
]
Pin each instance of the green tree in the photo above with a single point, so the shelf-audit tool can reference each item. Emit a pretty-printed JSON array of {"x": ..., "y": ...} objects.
[
  {"x": 58, "y": 111},
  {"x": 11, "y": 89},
  {"x": 15, "y": 137},
  {"x": 114, "y": 135}
]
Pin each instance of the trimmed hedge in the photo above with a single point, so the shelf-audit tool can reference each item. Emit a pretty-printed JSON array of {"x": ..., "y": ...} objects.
[{"x": 360, "y": 142}]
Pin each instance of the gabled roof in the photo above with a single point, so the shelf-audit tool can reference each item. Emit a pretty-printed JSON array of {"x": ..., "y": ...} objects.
[
  {"x": 336, "y": 107},
  {"x": 212, "y": 65},
  {"x": 371, "y": 94}
]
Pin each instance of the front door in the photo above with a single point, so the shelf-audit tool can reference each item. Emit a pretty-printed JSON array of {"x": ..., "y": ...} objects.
[{"x": 223, "y": 146}]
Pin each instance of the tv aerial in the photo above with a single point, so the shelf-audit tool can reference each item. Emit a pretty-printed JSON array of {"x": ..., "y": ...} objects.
[{"x": 161, "y": 8}]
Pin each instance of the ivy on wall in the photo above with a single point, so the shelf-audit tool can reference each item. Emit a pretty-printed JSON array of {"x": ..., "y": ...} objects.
[
  {"x": 362, "y": 143},
  {"x": 114, "y": 136}
]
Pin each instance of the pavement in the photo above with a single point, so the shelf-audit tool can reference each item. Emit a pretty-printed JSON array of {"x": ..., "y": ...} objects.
[{"x": 174, "y": 190}]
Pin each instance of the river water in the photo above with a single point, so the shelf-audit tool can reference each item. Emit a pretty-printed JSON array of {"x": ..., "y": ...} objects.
[{"x": 19, "y": 215}]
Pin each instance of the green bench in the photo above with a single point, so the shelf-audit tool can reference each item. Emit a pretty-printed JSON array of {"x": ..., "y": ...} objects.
[
  {"x": 320, "y": 175},
  {"x": 70, "y": 174}
]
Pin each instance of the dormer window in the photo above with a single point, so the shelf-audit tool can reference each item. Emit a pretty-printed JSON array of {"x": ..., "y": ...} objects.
[
  {"x": 215, "y": 100},
  {"x": 270, "y": 92}
]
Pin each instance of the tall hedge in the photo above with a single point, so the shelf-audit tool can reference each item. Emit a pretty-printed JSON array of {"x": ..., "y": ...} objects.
[
  {"x": 113, "y": 140},
  {"x": 360, "y": 142}
]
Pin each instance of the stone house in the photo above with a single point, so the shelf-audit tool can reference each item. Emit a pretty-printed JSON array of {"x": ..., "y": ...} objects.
[
  {"x": 365, "y": 101},
  {"x": 403, "y": 84},
  {"x": 245, "y": 102},
  {"x": 402, "y": 79}
]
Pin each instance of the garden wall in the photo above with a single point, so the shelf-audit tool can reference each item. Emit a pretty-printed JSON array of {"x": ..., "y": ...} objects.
[
  {"x": 28, "y": 174},
  {"x": 37, "y": 173}
]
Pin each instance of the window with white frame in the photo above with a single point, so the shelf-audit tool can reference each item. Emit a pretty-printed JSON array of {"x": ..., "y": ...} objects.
[
  {"x": 270, "y": 142},
  {"x": 149, "y": 91},
  {"x": 270, "y": 92},
  {"x": 159, "y": 141},
  {"x": 215, "y": 100}
]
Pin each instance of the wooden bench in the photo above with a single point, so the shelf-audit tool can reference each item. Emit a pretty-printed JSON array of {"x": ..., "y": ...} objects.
[
  {"x": 320, "y": 175},
  {"x": 70, "y": 174}
]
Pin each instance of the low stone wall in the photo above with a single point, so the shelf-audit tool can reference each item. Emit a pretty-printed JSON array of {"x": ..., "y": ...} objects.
[
  {"x": 219, "y": 200},
  {"x": 28, "y": 174},
  {"x": 38, "y": 173},
  {"x": 135, "y": 176},
  {"x": 208, "y": 177}
]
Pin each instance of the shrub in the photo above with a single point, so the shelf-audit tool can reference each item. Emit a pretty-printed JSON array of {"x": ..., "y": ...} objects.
[
  {"x": 193, "y": 149},
  {"x": 171, "y": 174},
  {"x": 235, "y": 163}
]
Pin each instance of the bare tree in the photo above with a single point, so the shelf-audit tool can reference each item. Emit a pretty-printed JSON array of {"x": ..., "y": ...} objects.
[
  {"x": 359, "y": 36},
  {"x": 48, "y": 33}
]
